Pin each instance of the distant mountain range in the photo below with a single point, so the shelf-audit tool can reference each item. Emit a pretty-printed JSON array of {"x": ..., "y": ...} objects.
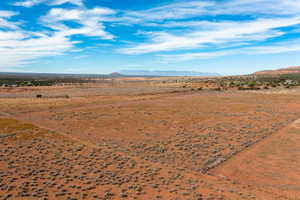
[
  {"x": 288, "y": 70},
  {"x": 113, "y": 74},
  {"x": 165, "y": 73}
]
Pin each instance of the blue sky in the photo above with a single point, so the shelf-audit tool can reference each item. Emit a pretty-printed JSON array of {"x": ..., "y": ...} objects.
[{"x": 102, "y": 36}]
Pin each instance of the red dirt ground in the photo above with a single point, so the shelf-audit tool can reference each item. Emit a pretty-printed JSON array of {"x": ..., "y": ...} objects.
[
  {"x": 271, "y": 165},
  {"x": 148, "y": 142}
]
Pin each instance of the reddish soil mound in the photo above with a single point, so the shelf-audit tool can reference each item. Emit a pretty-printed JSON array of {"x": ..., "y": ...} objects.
[{"x": 289, "y": 70}]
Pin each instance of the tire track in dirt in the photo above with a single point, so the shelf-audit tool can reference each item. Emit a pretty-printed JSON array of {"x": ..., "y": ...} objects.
[
  {"x": 270, "y": 166},
  {"x": 296, "y": 124},
  {"x": 4, "y": 114}
]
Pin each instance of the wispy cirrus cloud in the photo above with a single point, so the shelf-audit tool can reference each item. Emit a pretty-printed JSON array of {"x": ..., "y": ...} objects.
[
  {"x": 258, "y": 7},
  {"x": 20, "y": 47},
  {"x": 196, "y": 8},
  {"x": 194, "y": 29},
  {"x": 4, "y": 22},
  {"x": 30, "y": 3},
  {"x": 215, "y": 34},
  {"x": 276, "y": 48},
  {"x": 170, "y": 11},
  {"x": 180, "y": 26},
  {"x": 21, "y": 51},
  {"x": 7, "y": 14},
  {"x": 59, "y": 2}
]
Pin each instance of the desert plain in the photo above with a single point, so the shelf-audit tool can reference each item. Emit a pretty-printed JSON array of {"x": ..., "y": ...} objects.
[{"x": 149, "y": 139}]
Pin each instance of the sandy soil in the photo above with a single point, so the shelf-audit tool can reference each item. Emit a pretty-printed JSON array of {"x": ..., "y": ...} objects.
[
  {"x": 271, "y": 165},
  {"x": 148, "y": 141}
]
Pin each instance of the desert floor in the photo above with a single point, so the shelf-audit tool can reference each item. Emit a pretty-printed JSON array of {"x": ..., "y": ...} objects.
[{"x": 148, "y": 140}]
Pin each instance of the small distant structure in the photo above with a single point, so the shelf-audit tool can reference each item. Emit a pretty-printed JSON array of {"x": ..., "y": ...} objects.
[{"x": 4, "y": 85}]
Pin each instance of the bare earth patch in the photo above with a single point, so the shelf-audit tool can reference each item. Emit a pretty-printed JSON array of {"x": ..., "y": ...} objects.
[{"x": 148, "y": 142}]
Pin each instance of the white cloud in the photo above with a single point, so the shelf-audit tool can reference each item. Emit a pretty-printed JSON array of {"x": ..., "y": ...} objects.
[
  {"x": 290, "y": 46},
  {"x": 90, "y": 20},
  {"x": 7, "y": 14},
  {"x": 182, "y": 29},
  {"x": 78, "y": 14},
  {"x": 6, "y": 24},
  {"x": 21, "y": 47},
  {"x": 4, "y": 16},
  {"x": 59, "y": 2},
  {"x": 178, "y": 27},
  {"x": 195, "y": 8},
  {"x": 280, "y": 47},
  {"x": 171, "y": 11},
  {"x": 6, "y": 36},
  {"x": 222, "y": 33},
  {"x": 30, "y": 3},
  {"x": 255, "y": 7}
]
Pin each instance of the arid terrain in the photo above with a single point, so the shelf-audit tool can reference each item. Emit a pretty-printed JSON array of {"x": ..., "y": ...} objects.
[
  {"x": 149, "y": 138},
  {"x": 289, "y": 70}
]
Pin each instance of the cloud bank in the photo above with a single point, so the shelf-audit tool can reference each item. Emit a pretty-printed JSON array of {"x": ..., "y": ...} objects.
[{"x": 180, "y": 31}]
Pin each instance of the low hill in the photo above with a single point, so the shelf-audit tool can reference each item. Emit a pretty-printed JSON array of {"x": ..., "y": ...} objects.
[
  {"x": 288, "y": 70},
  {"x": 115, "y": 74}
]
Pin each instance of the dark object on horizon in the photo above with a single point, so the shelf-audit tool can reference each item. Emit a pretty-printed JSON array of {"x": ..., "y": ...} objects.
[{"x": 39, "y": 96}]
